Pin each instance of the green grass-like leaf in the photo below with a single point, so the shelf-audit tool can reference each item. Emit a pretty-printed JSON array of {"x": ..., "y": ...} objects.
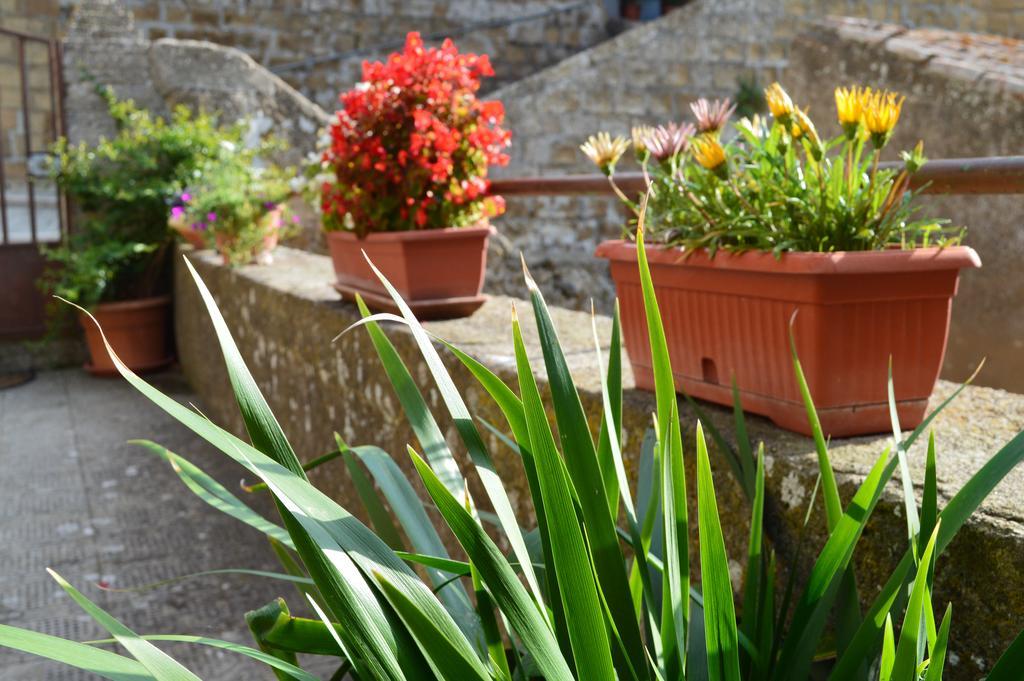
[
  {"x": 414, "y": 520},
  {"x": 584, "y": 470},
  {"x": 908, "y": 650},
  {"x": 572, "y": 561},
  {"x": 469, "y": 434},
  {"x": 449, "y": 661},
  {"x": 79, "y": 655},
  {"x": 215, "y": 494},
  {"x": 158, "y": 663},
  {"x": 675, "y": 616},
  {"x": 290, "y": 671},
  {"x": 522, "y": 613},
  {"x": 953, "y": 516},
  {"x": 937, "y": 656},
  {"x": 756, "y": 599},
  {"x": 721, "y": 637},
  {"x": 810, "y": 614}
]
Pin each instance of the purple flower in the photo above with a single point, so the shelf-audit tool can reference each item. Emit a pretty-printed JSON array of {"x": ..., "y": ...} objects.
[
  {"x": 186, "y": 197},
  {"x": 177, "y": 212},
  {"x": 212, "y": 217},
  {"x": 199, "y": 226},
  {"x": 295, "y": 219},
  {"x": 269, "y": 205},
  {"x": 666, "y": 141}
]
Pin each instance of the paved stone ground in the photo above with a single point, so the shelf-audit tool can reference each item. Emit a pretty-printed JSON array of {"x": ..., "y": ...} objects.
[{"x": 76, "y": 497}]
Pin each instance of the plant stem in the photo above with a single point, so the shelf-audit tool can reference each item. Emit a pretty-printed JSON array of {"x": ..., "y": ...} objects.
[
  {"x": 622, "y": 197},
  {"x": 896, "y": 192},
  {"x": 849, "y": 167},
  {"x": 699, "y": 206},
  {"x": 820, "y": 168},
  {"x": 647, "y": 177},
  {"x": 874, "y": 171},
  {"x": 743, "y": 200},
  {"x": 871, "y": 186}
]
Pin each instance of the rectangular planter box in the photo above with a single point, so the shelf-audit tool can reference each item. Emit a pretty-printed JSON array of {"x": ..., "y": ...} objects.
[
  {"x": 439, "y": 272},
  {"x": 727, "y": 318}
]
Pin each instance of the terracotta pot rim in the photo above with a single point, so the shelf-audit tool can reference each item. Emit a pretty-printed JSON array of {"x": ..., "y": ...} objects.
[
  {"x": 415, "y": 235},
  {"x": 134, "y": 304},
  {"x": 839, "y": 262}
]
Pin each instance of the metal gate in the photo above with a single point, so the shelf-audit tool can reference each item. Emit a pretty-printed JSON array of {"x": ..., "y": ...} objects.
[{"x": 32, "y": 210}]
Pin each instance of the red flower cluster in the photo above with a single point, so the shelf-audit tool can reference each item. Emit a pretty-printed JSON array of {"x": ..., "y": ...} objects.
[{"x": 411, "y": 145}]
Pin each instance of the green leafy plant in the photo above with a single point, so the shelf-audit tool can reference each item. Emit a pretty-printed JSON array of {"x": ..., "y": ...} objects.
[
  {"x": 123, "y": 186},
  {"x": 237, "y": 201},
  {"x": 778, "y": 186},
  {"x": 579, "y": 597},
  {"x": 749, "y": 97}
]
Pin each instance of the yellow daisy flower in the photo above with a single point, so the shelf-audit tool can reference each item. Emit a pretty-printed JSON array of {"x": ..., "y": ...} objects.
[
  {"x": 850, "y": 108},
  {"x": 881, "y": 113},
  {"x": 779, "y": 103},
  {"x": 803, "y": 126},
  {"x": 710, "y": 154}
]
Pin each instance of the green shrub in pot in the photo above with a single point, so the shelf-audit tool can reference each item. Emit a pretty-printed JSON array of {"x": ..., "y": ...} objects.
[
  {"x": 237, "y": 202},
  {"x": 122, "y": 187}
]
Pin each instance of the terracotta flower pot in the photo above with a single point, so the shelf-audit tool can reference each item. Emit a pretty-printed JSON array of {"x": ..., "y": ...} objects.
[
  {"x": 191, "y": 236},
  {"x": 271, "y": 223},
  {"x": 439, "y": 272},
  {"x": 727, "y": 318},
  {"x": 138, "y": 330}
]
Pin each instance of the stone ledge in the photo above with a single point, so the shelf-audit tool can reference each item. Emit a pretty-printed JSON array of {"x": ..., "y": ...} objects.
[
  {"x": 284, "y": 316},
  {"x": 996, "y": 60}
]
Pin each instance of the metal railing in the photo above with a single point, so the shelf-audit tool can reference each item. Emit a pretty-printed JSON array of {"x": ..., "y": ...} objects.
[{"x": 992, "y": 175}]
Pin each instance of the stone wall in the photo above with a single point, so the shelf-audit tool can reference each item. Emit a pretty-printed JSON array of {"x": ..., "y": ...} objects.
[
  {"x": 318, "y": 47},
  {"x": 317, "y": 387},
  {"x": 645, "y": 75},
  {"x": 965, "y": 98},
  {"x": 104, "y": 46}
]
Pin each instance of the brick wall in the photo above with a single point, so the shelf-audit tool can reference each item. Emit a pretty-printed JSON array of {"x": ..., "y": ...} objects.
[{"x": 38, "y": 17}]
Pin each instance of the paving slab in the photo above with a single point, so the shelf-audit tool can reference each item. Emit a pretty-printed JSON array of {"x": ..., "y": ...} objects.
[{"x": 78, "y": 498}]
